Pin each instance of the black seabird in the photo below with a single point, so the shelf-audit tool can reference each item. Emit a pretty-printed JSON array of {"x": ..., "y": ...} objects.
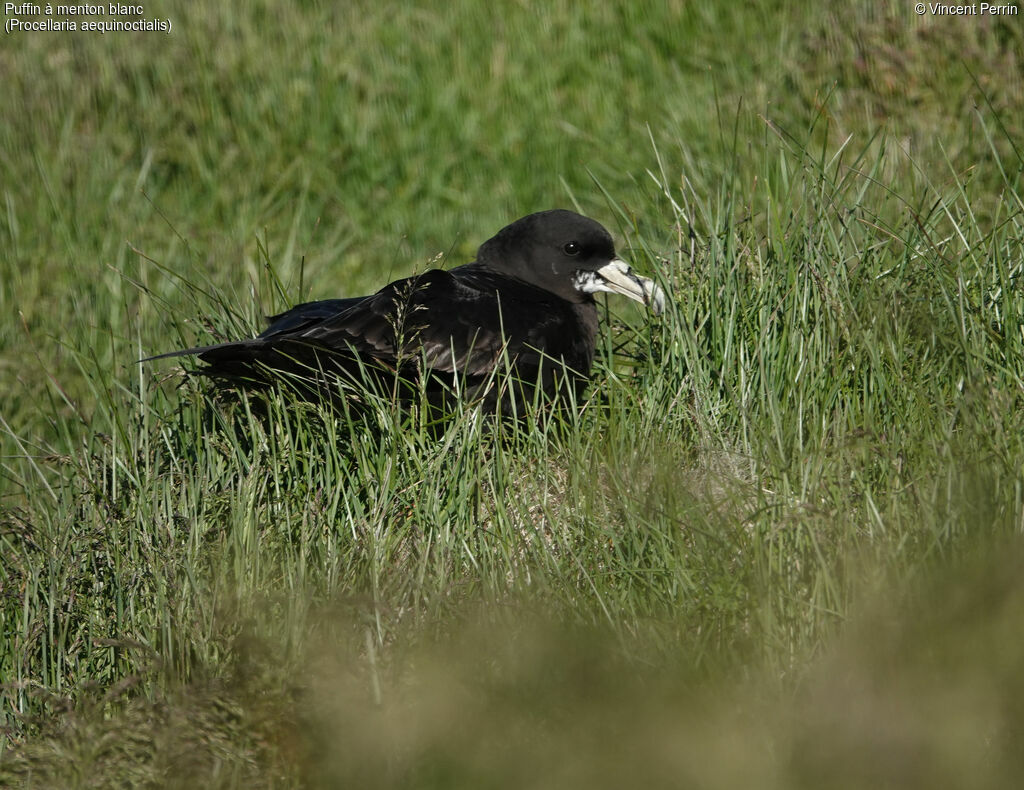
[{"x": 525, "y": 306}]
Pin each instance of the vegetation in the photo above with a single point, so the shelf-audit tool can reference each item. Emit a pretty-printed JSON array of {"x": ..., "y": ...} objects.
[{"x": 778, "y": 545}]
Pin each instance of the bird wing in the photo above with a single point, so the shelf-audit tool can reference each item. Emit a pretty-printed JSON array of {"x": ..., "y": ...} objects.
[
  {"x": 468, "y": 321},
  {"x": 308, "y": 314},
  {"x": 449, "y": 319}
]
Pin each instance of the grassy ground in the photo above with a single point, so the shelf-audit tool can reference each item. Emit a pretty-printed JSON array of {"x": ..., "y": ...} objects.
[{"x": 779, "y": 546}]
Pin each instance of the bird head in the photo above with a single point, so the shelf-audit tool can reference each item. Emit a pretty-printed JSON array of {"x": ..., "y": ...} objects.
[{"x": 569, "y": 255}]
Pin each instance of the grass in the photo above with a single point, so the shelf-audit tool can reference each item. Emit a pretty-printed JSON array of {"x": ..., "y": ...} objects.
[{"x": 778, "y": 545}]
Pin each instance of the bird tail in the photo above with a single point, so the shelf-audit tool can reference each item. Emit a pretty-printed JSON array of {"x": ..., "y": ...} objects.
[
  {"x": 240, "y": 348},
  {"x": 258, "y": 361},
  {"x": 239, "y": 360}
]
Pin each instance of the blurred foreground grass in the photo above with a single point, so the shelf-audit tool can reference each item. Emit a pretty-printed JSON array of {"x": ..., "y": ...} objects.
[
  {"x": 923, "y": 690},
  {"x": 779, "y": 545}
]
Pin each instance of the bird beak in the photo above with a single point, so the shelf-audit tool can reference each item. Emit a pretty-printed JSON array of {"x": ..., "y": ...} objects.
[{"x": 616, "y": 277}]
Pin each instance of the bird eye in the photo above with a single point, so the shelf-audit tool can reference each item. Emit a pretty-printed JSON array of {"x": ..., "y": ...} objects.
[{"x": 572, "y": 248}]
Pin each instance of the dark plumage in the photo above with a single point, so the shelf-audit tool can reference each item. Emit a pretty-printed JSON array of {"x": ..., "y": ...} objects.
[{"x": 526, "y": 304}]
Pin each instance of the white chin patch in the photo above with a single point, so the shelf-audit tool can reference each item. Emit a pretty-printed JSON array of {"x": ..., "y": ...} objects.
[{"x": 589, "y": 282}]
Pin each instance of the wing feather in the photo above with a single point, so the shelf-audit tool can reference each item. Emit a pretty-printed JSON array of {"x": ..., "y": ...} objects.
[{"x": 450, "y": 320}]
